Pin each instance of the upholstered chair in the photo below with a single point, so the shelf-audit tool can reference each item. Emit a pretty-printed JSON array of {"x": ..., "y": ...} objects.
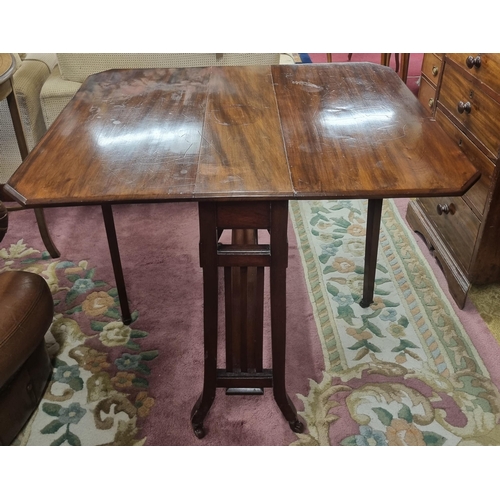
[
  {"x": 31, "y": 73},
  {"x": 72, "y": 70},
  {"x": 26, "y": 312}
]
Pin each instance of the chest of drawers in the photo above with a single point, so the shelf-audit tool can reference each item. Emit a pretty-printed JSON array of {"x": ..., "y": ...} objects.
[{"x": 462, "y": 93}]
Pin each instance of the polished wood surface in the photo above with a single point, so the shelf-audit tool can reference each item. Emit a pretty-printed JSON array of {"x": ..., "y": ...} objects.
[
  {"x": 242, "y": 141},
  {"x": 485, "y": 67},
  {"x": 432, "y": 72},
  {"x": 431, "y": 67},
  {"x": 477, "y": 195},
  {"x": 243, "y": 261},
  {"x": 349, "y": 130},
  {"x": 455, "y": 90},
  {"x": 358, "y": 131},
  {"x": 427, "y": 96}
]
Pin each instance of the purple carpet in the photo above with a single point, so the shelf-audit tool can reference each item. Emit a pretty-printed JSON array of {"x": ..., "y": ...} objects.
[
  {"x": 137, "y": 385},
  {"x": 159, "y": 250}
]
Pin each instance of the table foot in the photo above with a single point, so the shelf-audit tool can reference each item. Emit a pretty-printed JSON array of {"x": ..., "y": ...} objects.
[
  {"x": 200, "y": 411},
  {"x": 199, "y": 431},
  {"x": 365, "y": 302},
  {"x": 297, "y": 426}
]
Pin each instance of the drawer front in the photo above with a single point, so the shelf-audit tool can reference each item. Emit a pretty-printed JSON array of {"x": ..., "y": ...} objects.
[
  {"x": 487, "y": 69},
  {"x": 483, "y": 117},
  {"x": 459, "y": 229},
  {"x": 427, "y": 95},
  {"x": 431, "y": 67},
  {"x": 477, "y": 195}
]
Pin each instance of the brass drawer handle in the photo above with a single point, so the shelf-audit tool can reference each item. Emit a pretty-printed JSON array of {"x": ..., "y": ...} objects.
[
  {"x": 446, "y": 209},
  {"x": 431, "y": 102},
  {"x": 464, "y": 107},
  {"x": 435, "y": 70},
  {"x": 472, "y": 62}
]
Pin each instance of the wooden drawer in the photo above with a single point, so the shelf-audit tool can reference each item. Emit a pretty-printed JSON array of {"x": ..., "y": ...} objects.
[
  {"x": 477, "y": 195},
  {"x": 459, "y": 229},
  {"x": 431, "y": 67},
  {"x": 427, "y": 95},
  {"x": 483, "y": 120},
  {"x": 488, "y": 71}
]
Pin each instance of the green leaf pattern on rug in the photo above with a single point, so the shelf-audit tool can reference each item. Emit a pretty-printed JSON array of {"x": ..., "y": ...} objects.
[
  {"x": 402, "y": 371},
  {"x": 98, "y": 393}
]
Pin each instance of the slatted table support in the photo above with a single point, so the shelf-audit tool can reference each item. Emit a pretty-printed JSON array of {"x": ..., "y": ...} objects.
[{"x": 243, "y": 262}]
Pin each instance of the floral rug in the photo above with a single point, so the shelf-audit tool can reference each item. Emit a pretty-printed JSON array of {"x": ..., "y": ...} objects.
[
  {"x": 98, "y": 393},
  {"x": 401, "y": 372}
]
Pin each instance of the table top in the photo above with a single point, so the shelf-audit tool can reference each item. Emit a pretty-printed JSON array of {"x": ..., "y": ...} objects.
[
  {"x": 310, "y": 131},
  {"x": 7, "y": 67}
]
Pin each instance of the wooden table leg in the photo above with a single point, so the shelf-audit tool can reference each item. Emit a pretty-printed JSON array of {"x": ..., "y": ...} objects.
[
  {"x": 279, "y": 263},
  {"x": 23, "y": 150},
  {"x": 209, "y": 236},
  {"x": 109, "y": 224},
  {"x": 44, "y": 233},
  {"x": 371, "y": 249}
]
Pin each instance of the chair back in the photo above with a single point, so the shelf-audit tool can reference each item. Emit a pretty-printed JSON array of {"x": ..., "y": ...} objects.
[{"x": 76, "y": 67}]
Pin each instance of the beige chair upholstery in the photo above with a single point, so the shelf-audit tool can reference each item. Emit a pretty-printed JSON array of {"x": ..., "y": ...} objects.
[
  {"x": 73, "y": 69},
  {"x": 31, "y": 73}
]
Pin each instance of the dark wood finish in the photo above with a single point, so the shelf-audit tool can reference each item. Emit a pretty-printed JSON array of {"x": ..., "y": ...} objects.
[
  {"x": 372, "y": 238},
  {"x": 242, "y": 141},
  {"x": 330, "y": 130},
  {"x": 477, "y": 195},
  {"x": 427, "y": 96},
  {"x": 455, "y": 276},
  {"x": 337, "y": 148},
  {"x": 477, "y": 120},
  {"x": 431, "y": 68},
  {"x": 458, "y": 226},
  {"x": 487, "y": 71},
  {"x": 432, "y": 71},
  {"x": 7, "y": 69},
  {"x": 109, "y": 224},
  {"x": 4, "y": 220},
  {"x": 45, "y": 234},
  {"x": 279, "y": 263},
  {"x": 466, "y": 242},
  {"x": 242, "y": 150},
  {"x": 244, "y": 292},
  {"x": 209, "y": 237}
]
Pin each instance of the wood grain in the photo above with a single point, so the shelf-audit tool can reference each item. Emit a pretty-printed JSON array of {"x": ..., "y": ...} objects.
[
  {"x": 478, "y": 122},
  {"x": 466, "y": 242},
  {"x": 349, "y": 130},
  {"x": 355, "y": 130},
  {"x": 242, "y": 151}
]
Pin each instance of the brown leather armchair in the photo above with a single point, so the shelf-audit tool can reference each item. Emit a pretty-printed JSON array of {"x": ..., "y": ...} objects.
[{"x": 26, "y": 312}]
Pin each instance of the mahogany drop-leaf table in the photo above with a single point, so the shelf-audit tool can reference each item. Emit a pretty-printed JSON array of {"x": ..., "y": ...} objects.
[{"x": 242, "y": 142}]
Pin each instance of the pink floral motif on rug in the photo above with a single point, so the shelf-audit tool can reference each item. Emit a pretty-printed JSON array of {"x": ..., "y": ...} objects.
[
  {"x": 100, "y": 380},
  {"x": 401, "y": 372}
]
